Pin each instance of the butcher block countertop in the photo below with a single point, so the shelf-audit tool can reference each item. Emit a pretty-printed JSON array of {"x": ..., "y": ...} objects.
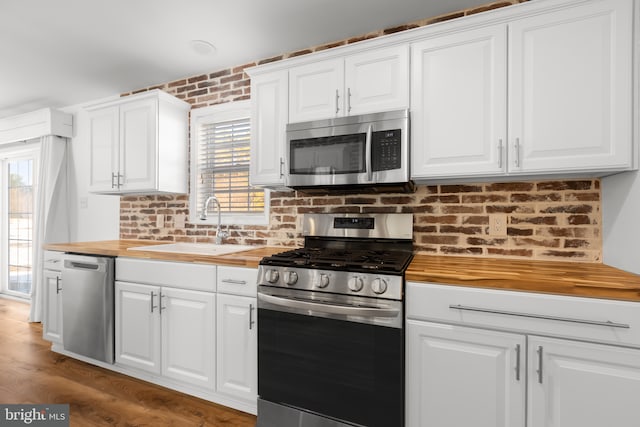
[
  {"x": 563, "y": 278},
  {"x": 120, "y": 248},
  {"x": 554, "y": 277}
]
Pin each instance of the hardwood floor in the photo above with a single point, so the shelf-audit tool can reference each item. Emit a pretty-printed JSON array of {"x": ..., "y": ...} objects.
[{"x": 30, "y": 373}]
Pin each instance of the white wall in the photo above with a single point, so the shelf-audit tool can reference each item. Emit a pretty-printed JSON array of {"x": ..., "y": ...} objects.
[
  {"x": 92, "y": 216},
  {"x": 621, "y": 221}
]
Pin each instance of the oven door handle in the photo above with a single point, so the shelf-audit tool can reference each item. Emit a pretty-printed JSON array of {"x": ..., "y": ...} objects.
[{"x": 329, "y": 308}]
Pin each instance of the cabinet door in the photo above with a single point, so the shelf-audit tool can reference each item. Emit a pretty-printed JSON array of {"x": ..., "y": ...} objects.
[
  {"x": 138, "y": 326},
  {"x": 377, "y": 80},
  {"x": 52, "y": 323},
  {"x": 570, "y": 89},
  {"x": 268, "y": 124},
  {"x": 103, "y": 149},
  {"x": 138, "y": 139},
  {"x": 458, "y": 104},
  {"x": 188, "y": 336},
  {"x": 237, "y": 350},
  {"x": 316, "y": 91},
  {"x": 574, "y": 383},
  {"x": 447, "y": 365}
]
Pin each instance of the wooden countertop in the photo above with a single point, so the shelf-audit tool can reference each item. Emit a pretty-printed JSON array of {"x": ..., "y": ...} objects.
[
  {"x": 555, "y": 277},
  {"x": 563, "y": 278},
  {"x": 120, "y": 248}
]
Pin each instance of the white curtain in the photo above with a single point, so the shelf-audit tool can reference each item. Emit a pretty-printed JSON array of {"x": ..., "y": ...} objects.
[{"x": 51, "y": 223}]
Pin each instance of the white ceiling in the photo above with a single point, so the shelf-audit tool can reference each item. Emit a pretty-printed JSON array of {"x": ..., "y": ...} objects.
[{"x": 64, "y": 52}]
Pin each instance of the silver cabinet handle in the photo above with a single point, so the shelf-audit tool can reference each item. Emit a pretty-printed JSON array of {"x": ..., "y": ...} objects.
[
  {"x": 348, "y": 100},
  {"x": 539, "y": 370},
  {"x": 120, "y": 176},
  {"x": 516, "y": 147},
  {"x": 281, "y": 167},
  {"x": 58, "y": 288},
  {"x": 234, "y": 282},
  {"x": 517, "y": 362},
  {"x": 251, "y": 321},
  {"x": 113, "y": 177},
  {"x": 540, "y": 316},
  {"x": 337, "y": 102},
  {"x": 153, "y": 306},
  {"x": 161, "y": 307},
  {"x": 500, "y": 154}
]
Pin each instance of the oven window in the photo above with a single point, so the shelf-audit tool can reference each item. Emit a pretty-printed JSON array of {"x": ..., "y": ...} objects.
[
  {"x": 349, "y": 371},
  {"x": 332, "y": 155}
]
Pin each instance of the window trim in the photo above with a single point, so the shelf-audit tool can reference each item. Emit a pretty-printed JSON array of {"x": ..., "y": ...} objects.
[{"x": 219, "y": 113}]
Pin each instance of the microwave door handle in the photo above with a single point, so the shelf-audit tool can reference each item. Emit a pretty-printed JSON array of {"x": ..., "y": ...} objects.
[{"x": 368, "y": 154}]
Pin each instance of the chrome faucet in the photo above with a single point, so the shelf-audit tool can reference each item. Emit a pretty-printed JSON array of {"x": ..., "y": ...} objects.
[{"x": 219, "y": 233}]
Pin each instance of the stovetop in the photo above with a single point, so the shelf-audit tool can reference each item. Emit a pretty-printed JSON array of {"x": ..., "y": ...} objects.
[{"x": 357, "y": 260}]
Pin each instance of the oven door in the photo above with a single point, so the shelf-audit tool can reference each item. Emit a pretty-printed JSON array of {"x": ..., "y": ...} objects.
[{"x": 329, "y": 360}]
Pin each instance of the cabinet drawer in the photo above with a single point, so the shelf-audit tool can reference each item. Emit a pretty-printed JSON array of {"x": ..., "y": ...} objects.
[
  {"x": 52, "y": 260},
  {"x": 237, "y": 280},
  {"x": 542, "y": 314},
  {"x": 200, "y": 277}
]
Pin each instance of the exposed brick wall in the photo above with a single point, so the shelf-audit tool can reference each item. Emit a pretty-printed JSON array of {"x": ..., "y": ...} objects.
[{"x": 558, "y": 220}]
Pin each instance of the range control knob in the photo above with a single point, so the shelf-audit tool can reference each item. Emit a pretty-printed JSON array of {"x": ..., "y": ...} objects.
[
  {"x": 290, "y": 277},
  {"x": 272, "y": 276},
  {"x": 322, "y": 281},
  {"x": 379, "y": 286},
  {"x": 355, "y": 284}
]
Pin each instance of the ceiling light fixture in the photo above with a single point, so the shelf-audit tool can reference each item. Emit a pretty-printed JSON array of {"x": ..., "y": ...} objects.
[{"x": 203, "y": 47}]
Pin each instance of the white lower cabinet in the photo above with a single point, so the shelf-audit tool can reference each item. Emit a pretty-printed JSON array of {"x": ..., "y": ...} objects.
[
  {"x": 237, "y": 349},
  {"x": 52, "y": 297},
  {"x": 237, "y": 333},
  {"x": 581, "y": 384},
  {"x": 459, "y": 376},
  {"x": 52, "y": 322},
  {"x": 191, "y": 327},
  {"x": 138, "y": 333},
  {"x": 167, "y": 331},
  {"x": 188, "y": 336},
  {"x": 477, "y": 357}
]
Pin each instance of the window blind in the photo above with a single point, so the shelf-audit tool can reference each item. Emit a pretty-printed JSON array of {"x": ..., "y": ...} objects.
[{"x": 223, "y": 167}]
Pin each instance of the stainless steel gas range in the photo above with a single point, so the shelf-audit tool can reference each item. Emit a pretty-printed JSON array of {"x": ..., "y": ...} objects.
[{"x": 331, "y": 316}]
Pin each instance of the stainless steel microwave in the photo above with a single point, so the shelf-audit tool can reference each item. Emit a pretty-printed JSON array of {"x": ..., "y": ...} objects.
[{"x": 366, "y": 151}]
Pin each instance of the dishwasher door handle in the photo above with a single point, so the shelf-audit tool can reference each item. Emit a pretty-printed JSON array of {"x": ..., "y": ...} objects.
[{"x": 81, "y": 265}]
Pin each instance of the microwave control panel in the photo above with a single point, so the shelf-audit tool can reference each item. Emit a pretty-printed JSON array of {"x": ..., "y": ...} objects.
[{"x": 386, "y": 150}]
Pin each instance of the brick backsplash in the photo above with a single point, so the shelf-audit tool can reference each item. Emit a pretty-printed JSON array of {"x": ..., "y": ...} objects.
[
  {"x": 551, "y": 220},
  {"x": 545, "y": 220}
]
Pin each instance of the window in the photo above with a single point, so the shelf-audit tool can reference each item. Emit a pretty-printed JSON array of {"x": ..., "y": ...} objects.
[
  {"x": 17, "y": 192},
  {"x": 220, "y": 145}
]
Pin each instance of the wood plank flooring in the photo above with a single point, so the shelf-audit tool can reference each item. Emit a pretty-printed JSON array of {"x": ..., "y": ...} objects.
[{"x": 30, "y": 373}]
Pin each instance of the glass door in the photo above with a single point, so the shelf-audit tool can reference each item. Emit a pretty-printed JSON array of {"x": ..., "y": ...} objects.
[{"x": 18, "y": 181}]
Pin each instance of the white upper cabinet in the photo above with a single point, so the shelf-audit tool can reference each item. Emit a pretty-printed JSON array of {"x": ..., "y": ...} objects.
[
  {"x": 459, "y": 103},
  {"x": 570, "y": 91},
  {"x": 316, "y": 91},
  {"x": 372, "y": 81},
  {"x": 268, "y": 122},
  {"x": 562, "y": 103},
  {"x": 377, "y": 80},
  {"x": 138, "y": 144}
]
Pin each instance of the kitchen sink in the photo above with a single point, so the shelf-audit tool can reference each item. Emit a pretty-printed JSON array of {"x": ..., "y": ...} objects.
[{"x": 195, "y": 248}]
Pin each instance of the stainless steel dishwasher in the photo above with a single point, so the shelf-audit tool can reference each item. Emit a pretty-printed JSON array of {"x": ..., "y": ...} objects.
[{"x": 88, "y": 306}]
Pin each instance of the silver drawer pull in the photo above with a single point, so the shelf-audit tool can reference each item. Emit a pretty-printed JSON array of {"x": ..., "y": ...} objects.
[
  {"x": 234, "y": 282},
  {"x": 541, "y": 316}
]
